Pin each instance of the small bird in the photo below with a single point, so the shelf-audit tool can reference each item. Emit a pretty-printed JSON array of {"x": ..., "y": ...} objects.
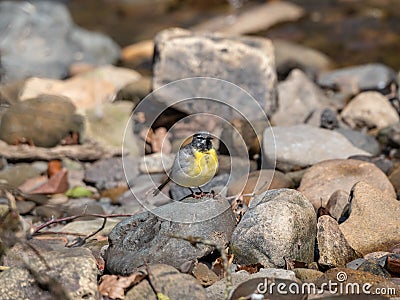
[{"x": 195, "y": 164}]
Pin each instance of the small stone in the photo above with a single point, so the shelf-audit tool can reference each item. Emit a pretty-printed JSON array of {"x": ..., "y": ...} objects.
[
  {"x": 156, "y": 163},
  {"x": 334, "y": 251},
  {"x": 135, "y": 91},
  {"x": 18, "y": 174},
  {"x": 142, "y": 290},
  {"x": 361, "y": 140},
  {"x": 354, "y": 79},
  {"x": 307, "y": 275},
  {"x": 329, "y": 119},
  {"x": 88, "y": 226},
  {"x": 204, "y": 275},
  {"x": 108, "y": 173},
  {"x": 314, "y": 145},
  {"x": 301, "y": 101},
  {"x": 390, "y": 136},
  {"x": 373, "y": 220},
  {"x": 373, "y": 267},
  {"x": 338, "y": 204},
  {"x": 25, "y": 207},
  {"x": 371, "y": 110},
  {"x": 355, "y": 264},
  {"x": 137, "y": 240},
  {"x": 164, "y": 279},
  {"x": 323, "y": 179},
  {"x": 278, "y": 224}
]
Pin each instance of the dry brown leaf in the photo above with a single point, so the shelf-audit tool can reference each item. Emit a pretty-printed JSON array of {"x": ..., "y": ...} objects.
[
  {"x": 32, "y": 184},
  {"x": 114, "y": 286},
  {"x": 55, "y": 185},
  {"x": 250, "y": 268}
]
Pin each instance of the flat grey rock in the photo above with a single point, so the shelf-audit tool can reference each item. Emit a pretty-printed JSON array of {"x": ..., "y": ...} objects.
[{"x": 301, "y": 146}]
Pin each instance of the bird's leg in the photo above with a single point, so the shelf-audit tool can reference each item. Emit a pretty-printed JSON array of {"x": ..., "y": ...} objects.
[{"x": 195, "y": 194}]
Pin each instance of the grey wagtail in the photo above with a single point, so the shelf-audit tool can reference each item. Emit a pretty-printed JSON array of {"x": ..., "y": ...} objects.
[{"x": 195, "y": 164}]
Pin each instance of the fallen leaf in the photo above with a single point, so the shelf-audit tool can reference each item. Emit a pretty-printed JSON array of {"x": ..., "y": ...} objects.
[
  {"x": 114, "y": 286},
  {"x": 32, "y": 184},
  {"x": 55, "y": 185},
  {"x": 250, "y": 268},
  {"x": 53, "y": 167}
]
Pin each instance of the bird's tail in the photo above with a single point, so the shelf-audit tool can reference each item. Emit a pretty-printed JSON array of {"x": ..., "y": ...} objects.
[{"x": 160, "y": 187}]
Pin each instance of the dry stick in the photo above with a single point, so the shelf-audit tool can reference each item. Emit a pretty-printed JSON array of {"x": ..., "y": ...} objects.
[
  {"x": 199, "y": 240},
  {"x": 71, "y": 218},
  {"x": 80, "y": 241}
]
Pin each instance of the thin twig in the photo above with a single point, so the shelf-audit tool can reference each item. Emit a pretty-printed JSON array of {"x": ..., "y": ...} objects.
[
  {"x": 80, "y": 241},
  {"x": 71, "y": 218},
  {"x": 199, "y": 240}
]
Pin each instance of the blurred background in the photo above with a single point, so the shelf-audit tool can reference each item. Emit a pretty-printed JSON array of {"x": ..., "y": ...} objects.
[{"x": 349, "y": 31}]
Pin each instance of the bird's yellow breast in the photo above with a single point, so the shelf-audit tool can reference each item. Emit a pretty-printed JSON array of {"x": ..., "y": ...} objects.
[{"x": 205, "y": 165}]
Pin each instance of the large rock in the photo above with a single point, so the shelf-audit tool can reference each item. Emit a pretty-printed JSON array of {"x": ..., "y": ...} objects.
[
  {"x": 300, "y": 146},
  {"x": 278, "y": 224},
  {"x": 148, "y": 237},
  {"x": 371, "y": 110},
  {"x": 301, "y": 101},
  {"x": 75, "y": 270},
  {"x": 323, "y": 179},
  {"x": 51, "y": 44},
  {"x": 247, "y": 62},
  {"x": 43, "y": 121},
  {"x": 334, "y": 251},
  {"x": 374, "y": 223}
]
